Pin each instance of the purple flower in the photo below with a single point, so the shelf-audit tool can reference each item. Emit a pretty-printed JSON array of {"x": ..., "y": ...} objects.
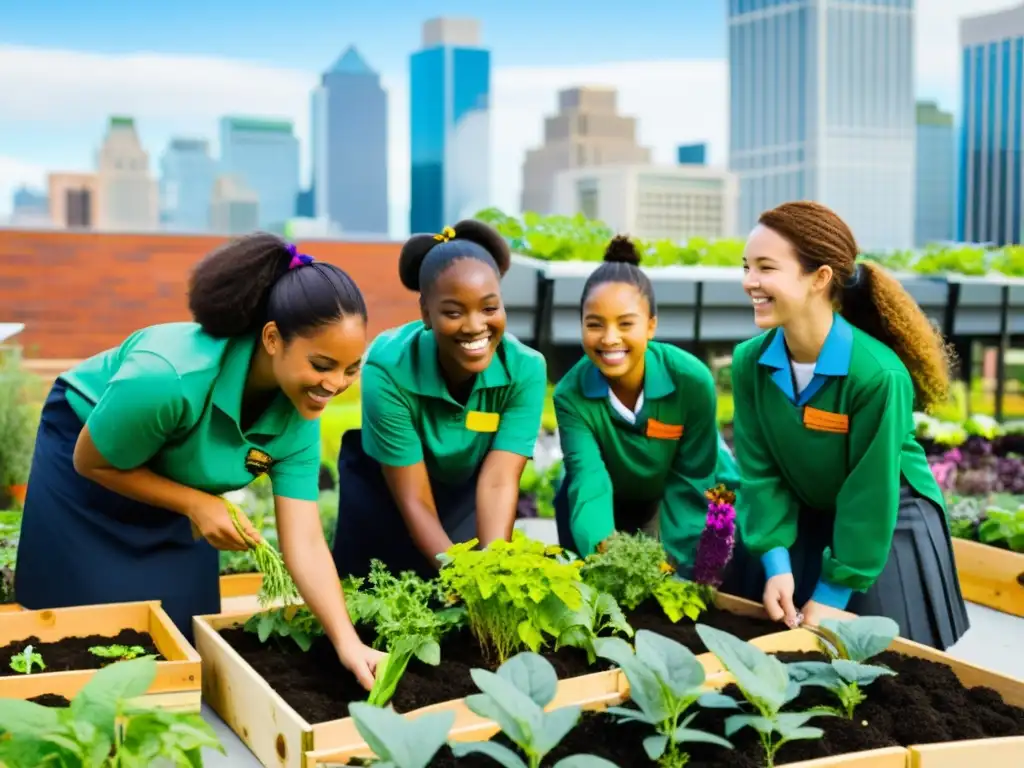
[{"x": 718, "y": 537}]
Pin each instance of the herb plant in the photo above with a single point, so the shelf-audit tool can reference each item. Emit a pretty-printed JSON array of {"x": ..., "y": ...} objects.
[
  {"x": 848, "y": 644},
  {"x": 665, "y": 679},
  {"x": 515, "y": 697},
  {"x": 766, "y": 685},
  {"x": 634, "y": 568},
  {"x": 597, "y": 613},
  {"x": 24, "y": 661},
  {"x": 119, "y": 652},
  {"x": 513, "y": 591},
  {"x": 101, "y": 729},
  {"x": 296, "y": 622},
  {"x": 398, "y": 741},
  {"x": 277, "y": 582}
]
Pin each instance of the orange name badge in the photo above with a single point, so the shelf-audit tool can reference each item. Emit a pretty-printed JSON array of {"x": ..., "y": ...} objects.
[
  {"x": 661, "y": 431},
  {"x": 479, "y": 421},
  {"x": 825, "y": 421}
]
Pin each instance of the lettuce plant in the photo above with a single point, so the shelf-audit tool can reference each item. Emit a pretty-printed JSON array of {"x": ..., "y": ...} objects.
[
  {"x": 513, "y": 591},
  {"x": 580, "y": 628},
  {"x": 398, "y": 741},
  {"x": 119, "y": 652},
  {"x": 24, "y": 661},
  {"x": 515, "y": 697},
  {"x": 634, "y": 568},
  {"x": 848, "y": 644},
  {"x": 101, "y": 729},
  {"x": 665, "y": 679},
  {"x": 766, "y": 686}
]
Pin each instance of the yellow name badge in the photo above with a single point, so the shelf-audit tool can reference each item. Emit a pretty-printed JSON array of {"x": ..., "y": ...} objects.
[{"x": 478, "y": 421}]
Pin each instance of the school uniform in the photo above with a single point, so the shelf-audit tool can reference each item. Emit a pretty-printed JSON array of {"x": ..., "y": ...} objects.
[
  {"x": 409, "y": 416},
  {"x": 644, "y": 469},
  {"x": 168, "y": 399},
  {"x": 839, "y": 490}
]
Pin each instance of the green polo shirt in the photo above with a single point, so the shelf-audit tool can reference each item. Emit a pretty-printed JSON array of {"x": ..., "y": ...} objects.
[
  {"x": 846, "y": 443},
  {"x": 671, "y": 454},
  {"x": 409, "y": 415},
  {"x": 169, "y": 398}
]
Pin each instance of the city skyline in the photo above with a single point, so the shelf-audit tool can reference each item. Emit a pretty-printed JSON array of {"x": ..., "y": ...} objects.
[{"x": 182, "y": 95}]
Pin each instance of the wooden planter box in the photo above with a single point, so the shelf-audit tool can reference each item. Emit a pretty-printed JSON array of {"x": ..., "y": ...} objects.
[
  {"x": 238, "y": 592},
  {"x": 177, "y": 684},
  {"x": 278, "y": 736},
  {"x": 990, "y": 576}
]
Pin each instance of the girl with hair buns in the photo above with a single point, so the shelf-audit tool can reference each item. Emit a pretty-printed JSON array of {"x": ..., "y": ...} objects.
[
  {"x": 845, "y": 513},
  {"x": 137, "y": 443},
  {"x": 636, "y": 421},
  {"x": 451, "y": 412}
]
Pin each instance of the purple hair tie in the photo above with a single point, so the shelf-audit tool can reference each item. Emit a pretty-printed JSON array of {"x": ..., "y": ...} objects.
[{"x": 298, "y": 259}]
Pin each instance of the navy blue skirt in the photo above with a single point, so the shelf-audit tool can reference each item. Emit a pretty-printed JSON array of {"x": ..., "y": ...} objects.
[
  {"x": 918, "y": 588},
  {"x": 370, "y": 525},
  {"x": 82, "y": 544}
]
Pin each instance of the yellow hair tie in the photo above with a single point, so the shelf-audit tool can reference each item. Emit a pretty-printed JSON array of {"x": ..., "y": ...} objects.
[{"x": 446, "y": 234}]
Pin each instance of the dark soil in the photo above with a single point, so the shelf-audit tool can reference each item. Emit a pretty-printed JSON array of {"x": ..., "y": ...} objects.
[
  {"x": 320, "y": 689},
  {"x": 50, "y": 700},
  {"x": 72, "y": 653},
  {"x": 924, "y": 703}
]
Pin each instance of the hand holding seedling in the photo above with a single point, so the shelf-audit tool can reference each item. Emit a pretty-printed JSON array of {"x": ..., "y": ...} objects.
[
  {"x": 778, "y": 599},
  {"x": 212, "y": 517}
]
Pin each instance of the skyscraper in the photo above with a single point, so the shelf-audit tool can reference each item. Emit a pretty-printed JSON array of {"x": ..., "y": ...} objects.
[
  {"x": 350, "y": 146},
  {"x": 822, "y": 108},
  {"x": 935, "y": 220},
  {"x": 127, "y": 192},
  {"x": 449, "y": 125},
  {"x": 186, "y": 183},
  {"x": 264, "y": 156},
  {"x": 989, "y": 196}
]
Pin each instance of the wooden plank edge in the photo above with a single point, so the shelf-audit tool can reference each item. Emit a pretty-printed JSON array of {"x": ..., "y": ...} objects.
[
  {"x": 1004, "y": 752},
  {"x": 990, "y": 576},
  {"x": 240, "y": 585}
]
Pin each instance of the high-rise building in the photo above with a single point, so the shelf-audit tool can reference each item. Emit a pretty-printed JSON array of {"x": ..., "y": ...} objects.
[
  {"x": 350, "y": 146},
  {"x": 74, "y": 202},
  {"x": 672, "y": 202},
  {"x": 30, "y": 208},
  {"x": 234, "y": 207},
  {"x": 129, "y": 198},
  {"x": 587, "y": 131},
  {"x": 822, "y": 108},
  {"x": 264, "y": 156},
  {"x": 935, "y": 219},
  {"x": 186, "y": 184},
  {"x": 692, "y": 154},
  {"x": 989, "y": 196},
  {"x": 449, "y": 125}
]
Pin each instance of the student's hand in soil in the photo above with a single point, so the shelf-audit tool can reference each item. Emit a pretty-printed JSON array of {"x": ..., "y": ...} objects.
[
  {"x": 814, "y": 612},
  {"x": 210, "y": 516},
  {"x": 778, "y": 599},
  {"x": 361, "y": 660}
]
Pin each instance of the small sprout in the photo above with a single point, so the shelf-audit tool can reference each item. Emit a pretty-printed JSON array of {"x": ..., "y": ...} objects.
[
  {"x": 23, "y": 662},
  {"x": 119, "y": 652}
]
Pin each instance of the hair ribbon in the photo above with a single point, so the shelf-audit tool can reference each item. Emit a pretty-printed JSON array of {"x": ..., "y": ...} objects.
[
  {"x": 298, "y": 259},
  {"x": 446, "y": 234}
]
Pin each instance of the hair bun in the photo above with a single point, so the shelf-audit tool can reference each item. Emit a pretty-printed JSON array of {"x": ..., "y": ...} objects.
[
  {"x": 622, "y": 249},
  {"x": 488, "y": 238}
]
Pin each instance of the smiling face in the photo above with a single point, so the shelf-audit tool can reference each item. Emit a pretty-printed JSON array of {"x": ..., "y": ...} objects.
[
  {"x": 775, "y": 280},
  {"x": 314, "y": 368},
  {"x": 617, "y": 325},
  {"x": 464, "y": 309}
]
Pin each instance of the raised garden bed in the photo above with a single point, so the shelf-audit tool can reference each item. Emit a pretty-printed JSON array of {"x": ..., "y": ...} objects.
[
  {"x": 238, "y": 591},
  {"x": 990, "y": 576},
  {"x": 62, "y": 638}
]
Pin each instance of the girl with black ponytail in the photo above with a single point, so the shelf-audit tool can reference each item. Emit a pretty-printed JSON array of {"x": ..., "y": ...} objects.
[{"x": 137, "y": 443}]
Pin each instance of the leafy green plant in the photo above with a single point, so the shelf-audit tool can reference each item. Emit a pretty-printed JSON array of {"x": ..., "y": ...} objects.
[
  {"x": 398, "y": 741},
  {"x": 634, "y": 568},
  {"x": 24, "y": 661},
  {"x": 102, "y": 728},
  {"x": 848, "y": 644},
  {"x": 765, "y": 683},
  {"x": 18, "y": 420},
  {"x": 1003, "y": 527},
  {"x": 295, "y": 622},
  {"x": 580, "y": 628},
  {"x": 665, "y": 680},
  {"x": 515, "y": 697},
  {"x": 514, "y": 591},
  {"x": 119, "y": 652}
]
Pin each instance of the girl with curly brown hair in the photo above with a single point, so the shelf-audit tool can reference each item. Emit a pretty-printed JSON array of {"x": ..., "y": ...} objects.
[{"x": 844, "y": 512}]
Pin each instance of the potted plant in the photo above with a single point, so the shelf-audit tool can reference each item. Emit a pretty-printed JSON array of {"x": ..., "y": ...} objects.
[{"x": 18, "y": 422}]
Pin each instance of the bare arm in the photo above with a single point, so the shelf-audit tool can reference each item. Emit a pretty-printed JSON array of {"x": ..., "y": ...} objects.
[
  {"x": 497, "y": 495},
  {"x": 410, "y": 488}
]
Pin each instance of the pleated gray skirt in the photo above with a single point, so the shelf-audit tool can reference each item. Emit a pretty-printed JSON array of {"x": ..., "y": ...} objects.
[{"x": 918, "y": 588}]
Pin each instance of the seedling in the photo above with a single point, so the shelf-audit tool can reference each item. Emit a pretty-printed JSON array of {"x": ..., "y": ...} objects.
[
  {"x": 24, "y": 661},
  {"x": 291, "y": 621},
  {"x": 848, "y": 645},
  {"x": 765, "y": 684},
  {"x": 119, "y": 652},
  {"x": 277, "y": 582},
  {"x": 665, "y": 679},
  {"x": 398, "y": 741},
  {"x": 580, "y": 628},
  {"x": 515, "y": 697}
]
